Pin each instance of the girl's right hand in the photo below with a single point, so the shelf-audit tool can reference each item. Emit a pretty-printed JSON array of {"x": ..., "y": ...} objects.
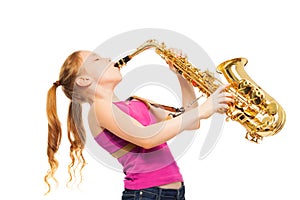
[{"x": 217, "y": 102}]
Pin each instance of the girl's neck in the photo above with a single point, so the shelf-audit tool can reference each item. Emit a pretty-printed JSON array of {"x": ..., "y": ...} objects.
[{"x": 106, "y": 95}]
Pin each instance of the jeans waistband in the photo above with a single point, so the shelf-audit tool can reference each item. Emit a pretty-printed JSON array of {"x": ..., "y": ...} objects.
[{"x": 159, "y": 192}]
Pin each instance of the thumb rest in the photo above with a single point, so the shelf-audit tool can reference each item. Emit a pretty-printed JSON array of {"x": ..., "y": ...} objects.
[{"x": 253, "y": 108}]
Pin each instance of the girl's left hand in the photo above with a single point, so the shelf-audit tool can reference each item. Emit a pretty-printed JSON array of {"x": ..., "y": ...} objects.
[{"x": 178, "y": 54}]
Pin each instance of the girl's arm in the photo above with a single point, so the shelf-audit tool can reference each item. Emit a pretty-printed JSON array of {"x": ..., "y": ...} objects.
[
  {"x": 116, "y": 121},
  {"x": 188, "y": 96},
  {"x": 187, "y": 92}
]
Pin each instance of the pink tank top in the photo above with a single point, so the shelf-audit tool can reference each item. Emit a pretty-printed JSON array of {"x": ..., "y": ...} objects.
[{"x": 143, "y": 168}]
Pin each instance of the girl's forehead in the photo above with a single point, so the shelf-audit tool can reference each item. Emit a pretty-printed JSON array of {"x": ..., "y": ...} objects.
[{"x": 85, "y": 54}]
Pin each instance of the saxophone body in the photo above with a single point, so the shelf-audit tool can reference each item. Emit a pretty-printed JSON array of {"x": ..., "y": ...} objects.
[
  {"x": 254, "y": 108},
  {"x": 258, "y": 112}
]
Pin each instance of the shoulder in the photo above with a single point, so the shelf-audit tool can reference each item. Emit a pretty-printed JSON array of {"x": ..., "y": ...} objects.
[
  {"x": 146, "y": 102},
  {"x": 153, "y": 107}
]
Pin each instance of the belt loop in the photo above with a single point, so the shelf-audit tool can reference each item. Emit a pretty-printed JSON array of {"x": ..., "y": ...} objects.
[
  {"x": 178, "y": 194},
  {"x": 140, "y": 194},
  {"x": 159, "y": 193}
]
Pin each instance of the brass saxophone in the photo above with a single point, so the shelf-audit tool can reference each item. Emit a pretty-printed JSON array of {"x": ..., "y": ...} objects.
[{"x": 253, "y": 108}]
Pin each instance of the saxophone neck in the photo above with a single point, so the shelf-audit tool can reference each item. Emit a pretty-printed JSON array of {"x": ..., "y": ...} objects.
[{"x": 147, "y": 45}]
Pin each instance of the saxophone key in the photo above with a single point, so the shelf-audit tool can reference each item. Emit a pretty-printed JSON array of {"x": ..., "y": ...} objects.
[{"x": 272, "y": 108}]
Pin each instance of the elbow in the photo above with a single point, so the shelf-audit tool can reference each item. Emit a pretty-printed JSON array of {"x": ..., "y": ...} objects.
[
  {"x": 147, "y": 144},
  {"x": 147, "y": 140},
  {"x": 197, "y": 125}
]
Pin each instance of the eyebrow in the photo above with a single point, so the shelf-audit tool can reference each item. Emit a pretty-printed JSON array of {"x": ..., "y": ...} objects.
[{"x": 96, "y": 55}]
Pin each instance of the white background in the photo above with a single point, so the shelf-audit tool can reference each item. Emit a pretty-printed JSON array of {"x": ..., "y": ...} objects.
[{"x": 37, "y": 36}]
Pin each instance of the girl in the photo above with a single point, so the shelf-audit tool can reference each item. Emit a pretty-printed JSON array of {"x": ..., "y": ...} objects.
[{"x": 133, "y": 131}]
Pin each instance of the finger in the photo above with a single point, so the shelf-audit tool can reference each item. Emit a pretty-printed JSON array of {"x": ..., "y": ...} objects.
[
  {"x": 225, "y": 94},
  {"x": 223, "y": 108},
  {"x": 228, "y": 94},
  {"x": 172, "y": 68},
  {"x": 170, "y": 64},
  {"x": 226, "y": 100},
  {"x": 178, "y": 52},
  {"x": 222, "y": 88}
]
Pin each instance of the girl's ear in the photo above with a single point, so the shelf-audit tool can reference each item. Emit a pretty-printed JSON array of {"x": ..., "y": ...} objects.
[{"x": 83, "y": 81}]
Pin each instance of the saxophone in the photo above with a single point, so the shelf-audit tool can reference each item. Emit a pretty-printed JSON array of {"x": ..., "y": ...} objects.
[{"x": 253, "y": 108}]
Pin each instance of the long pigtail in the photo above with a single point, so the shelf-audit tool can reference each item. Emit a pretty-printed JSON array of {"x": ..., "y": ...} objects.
[
  {"x": 77, "y": 138},
  {"x": 54, "y": 135}
]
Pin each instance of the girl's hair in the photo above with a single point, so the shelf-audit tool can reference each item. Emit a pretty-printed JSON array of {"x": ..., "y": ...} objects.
[{"x": 75, "y": 128}]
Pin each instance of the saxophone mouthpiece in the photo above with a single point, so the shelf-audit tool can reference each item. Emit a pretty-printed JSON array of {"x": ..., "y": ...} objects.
[{"x": 122, "y": 62}]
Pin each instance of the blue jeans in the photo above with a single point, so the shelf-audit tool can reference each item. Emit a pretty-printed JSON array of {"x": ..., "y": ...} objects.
[{"x": 154, "y": 193}]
